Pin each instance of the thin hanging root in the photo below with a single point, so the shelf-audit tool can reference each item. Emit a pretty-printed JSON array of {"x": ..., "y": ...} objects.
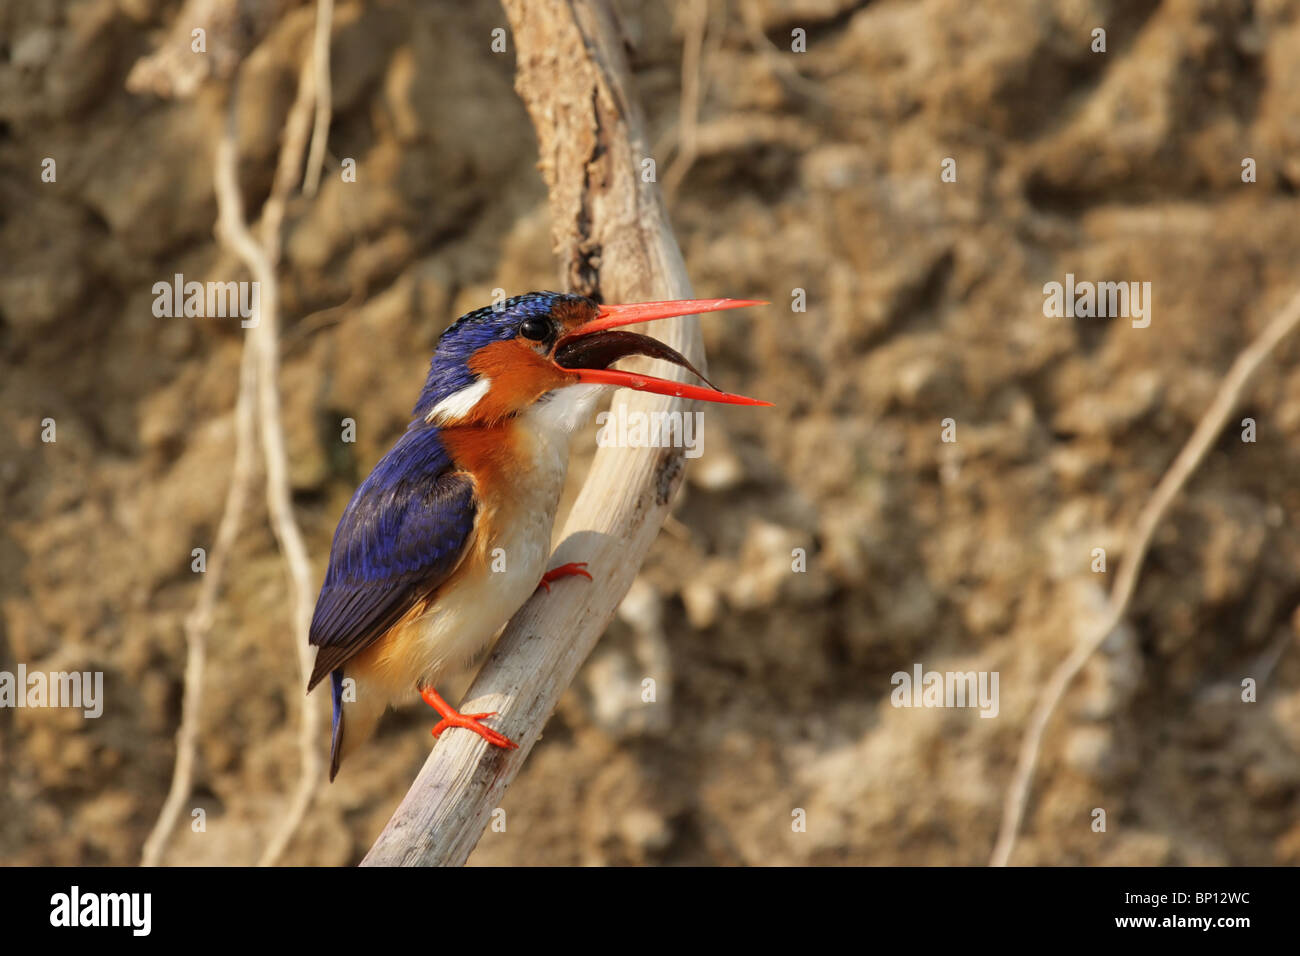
[{"x": 1188, "y": 460}]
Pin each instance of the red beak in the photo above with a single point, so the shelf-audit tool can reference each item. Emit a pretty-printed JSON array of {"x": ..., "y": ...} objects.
[{"x": 589, "y": 349}]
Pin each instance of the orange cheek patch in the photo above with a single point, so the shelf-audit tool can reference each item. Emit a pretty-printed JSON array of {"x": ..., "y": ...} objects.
[{"x": 519, "y": 377}]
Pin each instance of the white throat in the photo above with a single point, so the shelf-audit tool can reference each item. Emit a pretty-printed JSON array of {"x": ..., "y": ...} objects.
[{"x": 565, "y": 410}]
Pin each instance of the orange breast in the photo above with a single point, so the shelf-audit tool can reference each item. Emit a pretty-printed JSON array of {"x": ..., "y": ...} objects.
[{"x": 495, "y": 458}]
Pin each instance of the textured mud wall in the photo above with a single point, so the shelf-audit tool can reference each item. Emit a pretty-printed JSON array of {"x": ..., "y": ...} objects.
[{"x": 819, "y": 171}]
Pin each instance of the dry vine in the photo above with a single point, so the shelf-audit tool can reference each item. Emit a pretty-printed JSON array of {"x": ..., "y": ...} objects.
[
  {"x": 257, "y": 411},
  {"x": 1211, "y": 423}
]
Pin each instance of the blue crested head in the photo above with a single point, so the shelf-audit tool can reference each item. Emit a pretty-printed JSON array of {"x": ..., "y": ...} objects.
[
  {"x": 449, "y": 370},
  {"x": 495, "y": 363}
]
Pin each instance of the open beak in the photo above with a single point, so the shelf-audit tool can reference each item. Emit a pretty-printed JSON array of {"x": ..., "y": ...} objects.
[{"x": 590, "y": 349}]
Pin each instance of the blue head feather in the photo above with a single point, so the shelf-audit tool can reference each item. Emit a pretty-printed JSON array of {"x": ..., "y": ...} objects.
[{"x": 449, "y": 371}]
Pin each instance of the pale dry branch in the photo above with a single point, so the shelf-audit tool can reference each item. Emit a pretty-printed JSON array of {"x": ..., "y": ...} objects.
[
  {"x": 198, "y": 624},
  {"x": 262, "y": 259},
  {"x": 1202, "y": 439},
  {"x": 320, "y": 57},
  {"x": 776, "y": 58},
  {"x": 692, "y": 80},
  {"x": 613, "y": 239},
  {"x": 176, "y": 69},
  {"x": 747, "y": 132},
  {"x": 258, "y": 408}
]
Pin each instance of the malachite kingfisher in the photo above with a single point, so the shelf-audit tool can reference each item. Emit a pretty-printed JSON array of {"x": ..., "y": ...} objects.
[{"x": 411, "y": 592}]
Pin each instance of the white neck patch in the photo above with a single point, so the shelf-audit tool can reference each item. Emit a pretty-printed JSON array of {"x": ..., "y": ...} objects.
[{"x": 459, "y": 403}]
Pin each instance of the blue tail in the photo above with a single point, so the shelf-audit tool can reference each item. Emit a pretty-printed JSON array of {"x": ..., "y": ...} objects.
[{"x": 336, "y": 741}]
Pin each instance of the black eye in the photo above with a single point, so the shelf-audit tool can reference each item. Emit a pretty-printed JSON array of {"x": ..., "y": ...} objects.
[{"x": 535, "y": 329}]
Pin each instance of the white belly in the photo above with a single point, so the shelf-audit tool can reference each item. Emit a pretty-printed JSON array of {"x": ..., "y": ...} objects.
[{"x": 468, "y": 614}]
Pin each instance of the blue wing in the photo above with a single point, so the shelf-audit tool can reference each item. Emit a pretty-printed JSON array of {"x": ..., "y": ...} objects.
[{"x": 401, "y": 535}]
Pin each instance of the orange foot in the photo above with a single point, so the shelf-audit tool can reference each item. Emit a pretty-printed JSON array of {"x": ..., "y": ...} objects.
[
  {"x": 453, "y": 718},
  {"x": 570, "y": 570}
]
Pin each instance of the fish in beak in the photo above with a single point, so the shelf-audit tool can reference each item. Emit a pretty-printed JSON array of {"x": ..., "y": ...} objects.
[{"x": 590, "y": 349}]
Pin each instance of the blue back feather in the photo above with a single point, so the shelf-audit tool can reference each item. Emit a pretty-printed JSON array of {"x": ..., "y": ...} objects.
[{"x": 401, "y": 534}]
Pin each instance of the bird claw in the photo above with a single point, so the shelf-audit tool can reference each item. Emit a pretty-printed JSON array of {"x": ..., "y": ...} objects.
[
  {"x": 570, "y": 570},
  {"x": 471, "y": 722},
  {"x": 452, "y": 718}
]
